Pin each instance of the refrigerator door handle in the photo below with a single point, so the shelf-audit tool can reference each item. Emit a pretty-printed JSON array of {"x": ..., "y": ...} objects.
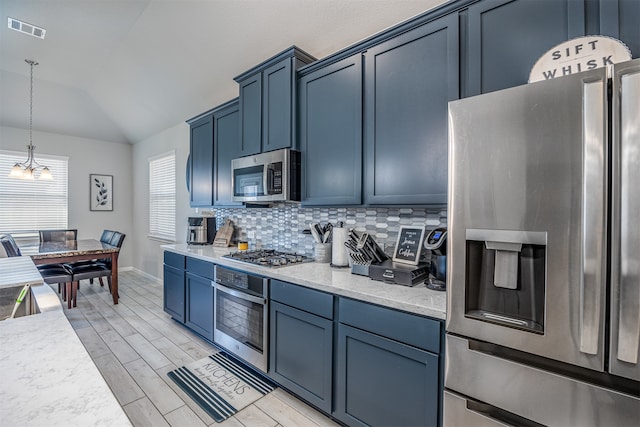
[
  {"x": 593, "y": 213},
  {"x": 626, "y": 269}
]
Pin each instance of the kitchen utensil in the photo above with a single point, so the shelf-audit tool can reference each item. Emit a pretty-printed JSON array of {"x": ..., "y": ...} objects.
[{"x": 314, "y": 232}]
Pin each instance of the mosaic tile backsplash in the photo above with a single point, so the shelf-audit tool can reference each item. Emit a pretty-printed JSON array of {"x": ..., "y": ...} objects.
[{"x": 281, "y": 227}]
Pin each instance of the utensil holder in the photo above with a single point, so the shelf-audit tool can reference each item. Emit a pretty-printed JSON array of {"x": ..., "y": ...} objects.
[{"x": 322, "y": 252}]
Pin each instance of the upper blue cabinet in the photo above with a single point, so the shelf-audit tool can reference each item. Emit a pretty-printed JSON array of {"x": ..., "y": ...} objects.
[
  {"x": 506, "y": 37},
  {"x": 201, "y": 160},
  {"x": 267, "y": 103},
  {"x": 621, "y": 20},
  {"x": 408, "y": 83},
  {"x": 330, "y": 133},
  {"x": 226, "y": 148}
]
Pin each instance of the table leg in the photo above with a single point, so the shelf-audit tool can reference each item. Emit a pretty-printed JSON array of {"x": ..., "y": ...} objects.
[{"x": 114, "y": 276}]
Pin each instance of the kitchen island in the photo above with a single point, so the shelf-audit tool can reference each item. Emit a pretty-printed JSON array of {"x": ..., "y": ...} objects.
[
  {"x": 338, "y": 281},
  {"x": 48, "y": 378}
]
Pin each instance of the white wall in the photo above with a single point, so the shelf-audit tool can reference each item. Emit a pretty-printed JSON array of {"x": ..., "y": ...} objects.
[
  {"x": 148, "y": 256},
  {"x": 87, "y": 156}
]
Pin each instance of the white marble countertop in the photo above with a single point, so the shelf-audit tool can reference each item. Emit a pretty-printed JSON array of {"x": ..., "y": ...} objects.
[
  {"x": 48, "y": 378},
  {"x": 417, "y": 299},
  {"x": 18, "y": 271}
]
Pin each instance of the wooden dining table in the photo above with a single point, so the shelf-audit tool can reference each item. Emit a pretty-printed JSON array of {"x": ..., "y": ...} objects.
[{"x": 76, "y": 250}]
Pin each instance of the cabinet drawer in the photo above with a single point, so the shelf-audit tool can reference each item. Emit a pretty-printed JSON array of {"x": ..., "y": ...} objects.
[
  {"x": 174, "y": 260},
  {"x": 200, "y": 268},
  {"x": 407, "y": 328},
  {"x": 309, "y": 300}
]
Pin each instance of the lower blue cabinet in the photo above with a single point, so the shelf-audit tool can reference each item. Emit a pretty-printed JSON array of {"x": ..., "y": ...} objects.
[
  {"x": 188, "y": 292},
  {"x": 173, "y": 295},
  {"x": 302, "y": 354},
  {"x": 199, "y": 305},
  {"x": 173, "y": 298},
  {"x": 382, "y": 382}
]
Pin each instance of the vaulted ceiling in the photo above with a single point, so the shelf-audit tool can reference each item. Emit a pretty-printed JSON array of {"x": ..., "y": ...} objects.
[{"x": 124, "y": 70}]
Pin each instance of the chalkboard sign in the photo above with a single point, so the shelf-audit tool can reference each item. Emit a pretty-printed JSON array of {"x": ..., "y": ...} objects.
[{"x": 409, "y": 245}]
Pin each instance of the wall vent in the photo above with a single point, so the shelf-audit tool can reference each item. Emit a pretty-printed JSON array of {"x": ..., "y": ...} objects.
[{"x": 26, "y": 28}]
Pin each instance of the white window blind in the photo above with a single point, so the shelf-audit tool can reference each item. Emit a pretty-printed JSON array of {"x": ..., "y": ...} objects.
[
  {"x": 162, "y": 196},
  {"x": 30, "y": 205}
]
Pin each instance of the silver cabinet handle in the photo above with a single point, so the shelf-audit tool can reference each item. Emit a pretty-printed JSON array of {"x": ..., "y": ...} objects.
[
  {"x": 628, "y": 231},
  {"x": 593, "y": 213}
]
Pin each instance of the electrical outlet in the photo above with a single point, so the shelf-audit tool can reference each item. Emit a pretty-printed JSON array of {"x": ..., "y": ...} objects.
[{"x": 251, "y": 234}]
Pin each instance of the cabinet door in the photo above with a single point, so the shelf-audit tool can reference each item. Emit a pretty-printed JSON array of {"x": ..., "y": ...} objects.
[
  {"x": 251, "y": 115},
  {"x": 277, "y": 82},
  {"x": 330, "y": 111},
  {"x": 506, "y": 38},
  {"x": 408, "y": 82},
  {"x": 227, "y": 148},
  {"x": 201, "y": 156},
  {"x": 199, "y": 310},
  {"x": 301, "y": 352},
  {"x": 620, "y": 19},
  {"x": 173, "y": 298},
  {"x": 381, "y": 382}
]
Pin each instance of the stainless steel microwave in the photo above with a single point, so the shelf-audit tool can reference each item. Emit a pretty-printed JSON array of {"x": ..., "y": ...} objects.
[{"x": 267, "y": 177}]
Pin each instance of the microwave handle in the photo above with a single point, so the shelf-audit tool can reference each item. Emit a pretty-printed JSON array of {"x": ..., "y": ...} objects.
[{"x": 270, "y": 179}]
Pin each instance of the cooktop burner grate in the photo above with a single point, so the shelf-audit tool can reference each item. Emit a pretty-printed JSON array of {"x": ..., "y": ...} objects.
[{"x": 268, "y": 257}]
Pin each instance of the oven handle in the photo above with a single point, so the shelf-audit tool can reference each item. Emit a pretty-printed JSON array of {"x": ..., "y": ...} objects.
[{"x": 240, "y": 294}]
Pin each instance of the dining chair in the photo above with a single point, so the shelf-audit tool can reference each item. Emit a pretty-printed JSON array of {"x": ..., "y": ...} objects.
[
  {"x": 96, "y": 268},
  {"x": 51, "y": 274},
  {"x": 8, "y": 246},
  {"x": 58, "y": 235}
]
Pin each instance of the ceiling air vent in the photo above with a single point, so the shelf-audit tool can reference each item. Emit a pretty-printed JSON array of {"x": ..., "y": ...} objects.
[{"x": 26, "y": 28}]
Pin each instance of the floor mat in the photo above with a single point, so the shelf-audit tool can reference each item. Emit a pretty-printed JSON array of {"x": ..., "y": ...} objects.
[{"x": 220, "y": 385}]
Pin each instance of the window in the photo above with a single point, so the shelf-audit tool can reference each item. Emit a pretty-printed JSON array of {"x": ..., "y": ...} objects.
[
  {"x": 27, "y": 206},
  {"x": 162, "y": 196}
]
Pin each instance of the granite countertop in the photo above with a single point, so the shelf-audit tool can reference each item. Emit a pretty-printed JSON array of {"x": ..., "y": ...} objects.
[
  {"x": 48, "y": 378},
  {"x": 339, "y": 281}
]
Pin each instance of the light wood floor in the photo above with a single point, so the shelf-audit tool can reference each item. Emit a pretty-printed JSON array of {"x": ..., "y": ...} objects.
[{"x": 134, "y": 344}]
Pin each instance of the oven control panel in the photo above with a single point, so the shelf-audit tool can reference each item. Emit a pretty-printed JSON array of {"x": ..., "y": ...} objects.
[{"x": 254, "y": 285}]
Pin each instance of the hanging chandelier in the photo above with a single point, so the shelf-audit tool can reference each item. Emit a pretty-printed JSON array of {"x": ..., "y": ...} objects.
[{"x": 29, "y": 168}]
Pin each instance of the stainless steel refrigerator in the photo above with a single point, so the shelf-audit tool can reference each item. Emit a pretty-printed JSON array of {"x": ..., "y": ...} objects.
[{"x": 543, "y": 319}]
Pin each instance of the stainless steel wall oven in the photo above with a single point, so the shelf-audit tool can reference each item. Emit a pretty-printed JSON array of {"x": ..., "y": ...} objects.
[{"x": 241, "y": 315}]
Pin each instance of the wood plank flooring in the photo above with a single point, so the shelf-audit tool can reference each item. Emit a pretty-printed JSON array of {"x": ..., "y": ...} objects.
[{"x": 134, "y": 344}]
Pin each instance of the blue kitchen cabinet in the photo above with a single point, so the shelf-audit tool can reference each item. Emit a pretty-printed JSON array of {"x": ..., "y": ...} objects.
[
  {"x": 174, "y": 286},
  {"x": 201, "y": 160},
  {"x": 620, "y": 19},
  {"x": 199, "y": 297},
  {"x": 250, "y": 126},
  {"x": 267, "y": 103},
  {"x": 506, "y": 38},
  {"x": 389, "y": 369},
  {"x": 330, "y": 133},
  {"x": 226, "y": 148},
  {"x": 409, "y": 79},
  {"x": 301, "y": 342}
]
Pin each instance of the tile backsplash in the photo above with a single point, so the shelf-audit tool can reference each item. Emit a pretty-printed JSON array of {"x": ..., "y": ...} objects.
[{"x": 281, "y": 227}]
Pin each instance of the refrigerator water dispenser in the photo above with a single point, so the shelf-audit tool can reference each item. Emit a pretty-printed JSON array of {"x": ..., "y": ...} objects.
[{"x": 506, "y": 278}]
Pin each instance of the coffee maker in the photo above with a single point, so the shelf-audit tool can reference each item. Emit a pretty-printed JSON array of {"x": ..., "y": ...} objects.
[
  {"x": 201, "y": 230},
  {"x": 436, "y": 242}
]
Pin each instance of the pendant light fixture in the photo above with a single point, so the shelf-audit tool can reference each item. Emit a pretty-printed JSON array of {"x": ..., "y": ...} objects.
[{"x": 28, "y": 168}]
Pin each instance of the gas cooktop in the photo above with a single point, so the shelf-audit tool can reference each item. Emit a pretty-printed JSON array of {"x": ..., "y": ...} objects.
[{"x": 268, "y": 257}]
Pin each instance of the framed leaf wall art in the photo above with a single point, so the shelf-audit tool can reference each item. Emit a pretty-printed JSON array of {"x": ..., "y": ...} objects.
[{"x": 100, "y": 192}]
